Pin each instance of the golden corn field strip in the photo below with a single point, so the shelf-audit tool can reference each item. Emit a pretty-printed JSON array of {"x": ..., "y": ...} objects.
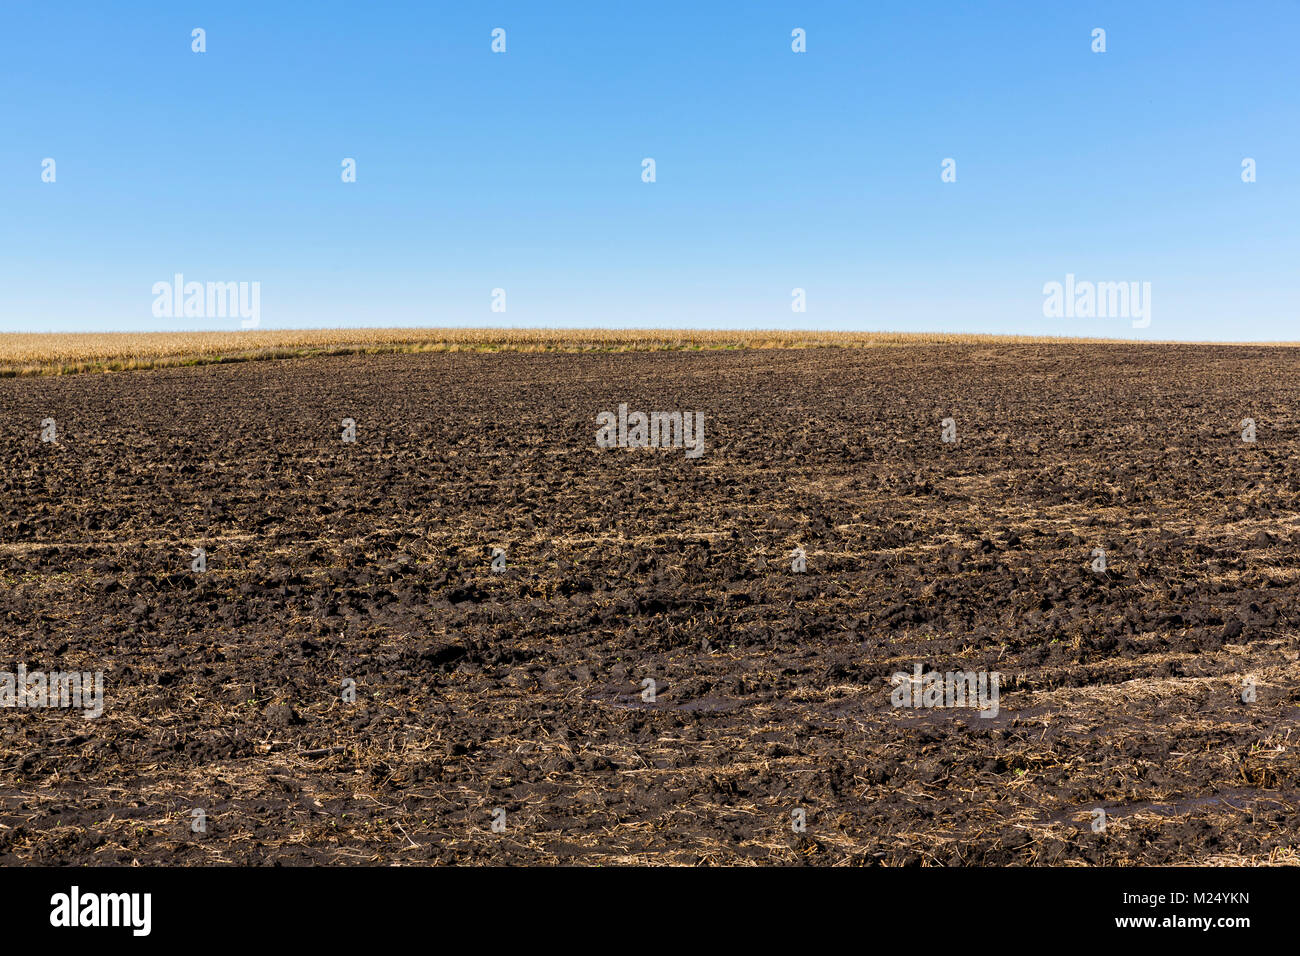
[{"x": 55, "y": 353}]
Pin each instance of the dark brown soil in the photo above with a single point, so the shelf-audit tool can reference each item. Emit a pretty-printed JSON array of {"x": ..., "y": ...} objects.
[{"x": 371, "y": 562}]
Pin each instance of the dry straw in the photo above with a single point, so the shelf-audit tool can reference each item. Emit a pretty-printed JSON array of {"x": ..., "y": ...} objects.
[{"x": 56, "y": 354}]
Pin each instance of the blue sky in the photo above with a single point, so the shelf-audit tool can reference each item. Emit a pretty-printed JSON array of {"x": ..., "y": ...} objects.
[{"x": 775, "y": 170}]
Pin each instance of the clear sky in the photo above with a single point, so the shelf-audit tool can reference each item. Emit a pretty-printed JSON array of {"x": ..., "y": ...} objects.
[{"x": 775, "y": 170}]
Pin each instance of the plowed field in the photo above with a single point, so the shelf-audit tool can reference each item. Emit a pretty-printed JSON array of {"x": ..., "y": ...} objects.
[{"x": 349, "y": 680}]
